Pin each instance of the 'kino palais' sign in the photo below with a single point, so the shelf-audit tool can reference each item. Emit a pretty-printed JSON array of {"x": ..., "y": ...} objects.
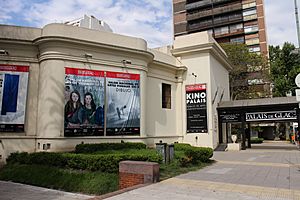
[
  {"x": 196, "y": 108},
  {"x": 276, "y": 115}
]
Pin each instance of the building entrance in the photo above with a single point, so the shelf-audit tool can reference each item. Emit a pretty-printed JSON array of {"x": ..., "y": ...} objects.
[{"x": 269, "y": 119}]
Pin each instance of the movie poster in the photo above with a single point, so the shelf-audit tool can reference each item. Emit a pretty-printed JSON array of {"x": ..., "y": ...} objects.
[
  {"x": 123, "y": 104},
  {"x": 196, "y": 108},
  {"x": 84, "y": 102},
  {"x": 13, "y": 95}
]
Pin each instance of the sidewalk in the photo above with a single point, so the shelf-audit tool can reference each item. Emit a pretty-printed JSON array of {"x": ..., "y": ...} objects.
[
  {"x": 258, "y": 173},
  {"x": 269, "y": 171}
]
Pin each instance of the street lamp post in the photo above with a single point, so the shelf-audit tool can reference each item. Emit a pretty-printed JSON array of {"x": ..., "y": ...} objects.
[{"x": 297, "y": 22}]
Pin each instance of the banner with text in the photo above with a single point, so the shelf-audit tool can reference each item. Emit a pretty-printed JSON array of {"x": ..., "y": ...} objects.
[
  {"x": 84, "y": 102},
  {"x": 196, "y": 108},
  {"x": 13, "y": 96},
  {"x": 123, "y": 104}
]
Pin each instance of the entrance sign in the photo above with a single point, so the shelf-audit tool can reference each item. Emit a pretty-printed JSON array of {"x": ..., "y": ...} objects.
[
  {"x": 123, "y": 104},
  {"x": 84, "y": 102},
  {"x": 196, "y": 108},
  {"x": 233, "y": 117},
  {"x": 271, "y": 116},
  {"x": 13, "y": 96}
]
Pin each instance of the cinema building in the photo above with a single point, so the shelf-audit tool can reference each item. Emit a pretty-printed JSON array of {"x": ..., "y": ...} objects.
[{"x": 63, "y": 85}]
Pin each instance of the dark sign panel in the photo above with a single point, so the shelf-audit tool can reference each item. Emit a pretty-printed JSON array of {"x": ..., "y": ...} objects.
[
  {"x": 196, "y": 108},
  {"x": 271, "y": 116},
  {"x": 84, "y": 102},
  {"x": 123, "y": 108},
  {"x": 13, "y": 94}
]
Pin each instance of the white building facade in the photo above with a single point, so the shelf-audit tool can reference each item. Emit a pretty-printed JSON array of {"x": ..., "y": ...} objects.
[{"x": 153, "y": 89}]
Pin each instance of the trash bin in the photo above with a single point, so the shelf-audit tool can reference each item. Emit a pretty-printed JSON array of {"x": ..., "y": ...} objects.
[{"x": 162, "y": 149}]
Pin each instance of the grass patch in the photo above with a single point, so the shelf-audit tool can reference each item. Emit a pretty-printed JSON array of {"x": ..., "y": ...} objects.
[{"x": 62, "y": 179}]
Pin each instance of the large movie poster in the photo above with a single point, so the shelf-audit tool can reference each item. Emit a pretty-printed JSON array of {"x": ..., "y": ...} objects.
[
  {"x": 196, "y": 108},
  {"x": 84, "y": 102},
  {"x": 123, "y": 104},
  {"x": 13, "y": 95}
]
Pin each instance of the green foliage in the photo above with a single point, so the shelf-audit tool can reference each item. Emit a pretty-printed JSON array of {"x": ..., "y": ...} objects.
[
  {"x": 245, "y": 66},
  {"x": 256, "y": 140},
  {"x": 187, "y": 154},
  {"x": 91, "y": 148},
  {"x": 285, "y": 65},
  {"x": 62, "y": 179},
  {"x": 181, "y": 146},
  {"x": 94, "y": 162},
  {"x": 199, "y": 154}
]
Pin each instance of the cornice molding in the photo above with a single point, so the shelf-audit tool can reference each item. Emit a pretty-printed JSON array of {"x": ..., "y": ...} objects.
[
  {"x": 148, "y": 57},
  {"x": 204, "y": 48},
  {"x": 65, "y": 57}
]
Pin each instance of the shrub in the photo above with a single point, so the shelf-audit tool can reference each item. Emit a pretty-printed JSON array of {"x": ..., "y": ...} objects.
[
  {"x": 199, "y": 154},
  {"x": 192, "y": 155},
  {"x": 181, "y": 146},
  {"x": 94, "y": 162},
  {"x": 91, "y": 148},
  {"x": 256, "y": 140}
]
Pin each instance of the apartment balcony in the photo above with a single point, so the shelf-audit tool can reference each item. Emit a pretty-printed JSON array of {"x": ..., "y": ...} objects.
[
  {"x": 228, "y": 8},
  {"x": 232, "y": 33},
  {"x": 229, "y": 20},
  {"x": 199, "y": 14},
  {"x": 204, "y": 3},
  {"x": 215, "y": 11},
  {"x": 199, "y": 4},
  {"x": 200, "y": 26}
]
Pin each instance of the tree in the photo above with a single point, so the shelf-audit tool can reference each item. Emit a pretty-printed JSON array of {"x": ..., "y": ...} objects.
[
  {"x": 285, "y": 65},
  {"x": 249, "y": 74}
]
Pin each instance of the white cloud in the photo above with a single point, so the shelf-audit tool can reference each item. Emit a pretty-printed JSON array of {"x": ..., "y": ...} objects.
[
  {"x": 148, "y": 19},
  {"x": 281, "y": 22},
  {"x": 9, "y": 8}
]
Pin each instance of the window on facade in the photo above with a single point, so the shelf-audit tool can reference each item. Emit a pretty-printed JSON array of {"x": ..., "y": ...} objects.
[
  {"x": 250, "y": 29},
  {"x": 254, "y": 49},
  {"x": 249, "y": 5},
  {"x": 221, "y": 30},
  {"x": 237, "y": 40},
  {"x": 166, "y": 96},
  {"x": 252, "y": 41},
  {"x": 249, "y": 12},
  {"x": 235, "y": 27}
]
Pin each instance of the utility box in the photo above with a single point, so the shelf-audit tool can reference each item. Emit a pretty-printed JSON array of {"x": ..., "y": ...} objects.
[{"x": 162, "y": 149}]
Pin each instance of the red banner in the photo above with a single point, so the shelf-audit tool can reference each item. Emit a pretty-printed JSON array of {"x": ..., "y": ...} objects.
[
  {"x": 14, "y": 68},
  {"x": 84, "y": 72},
  {"x": 196, "y": 87},
  {"x": 123, "y": 75}
]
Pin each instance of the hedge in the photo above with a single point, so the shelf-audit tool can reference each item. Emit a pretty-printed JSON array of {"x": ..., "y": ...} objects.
[
  {"x": 91, "y": 148},
  {"x": 256, "y": 140},
  {"x": 95, "y": 162},
  {"x": 192, "y": 154}
]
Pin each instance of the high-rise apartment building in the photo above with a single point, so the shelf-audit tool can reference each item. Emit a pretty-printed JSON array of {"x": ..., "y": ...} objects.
[{"x": 239, "y": 21}]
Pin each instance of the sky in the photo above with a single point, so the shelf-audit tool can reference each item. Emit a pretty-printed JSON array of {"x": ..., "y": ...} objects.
[{"x": 147, "y": 19}]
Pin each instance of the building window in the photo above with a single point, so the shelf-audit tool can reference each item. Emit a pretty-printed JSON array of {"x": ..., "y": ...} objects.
[
  {"x": 249, "y": 12},
  {"x": 166, "y": 96},
  {"x": 222, "y": 30},
  {"x": 249, "y": 5},
  {"x": 252, "y": 41},
  {"x": 251, "y": 29},
  {"x": 237, "y": 40},
  {"x": 235, "y": 28}
]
